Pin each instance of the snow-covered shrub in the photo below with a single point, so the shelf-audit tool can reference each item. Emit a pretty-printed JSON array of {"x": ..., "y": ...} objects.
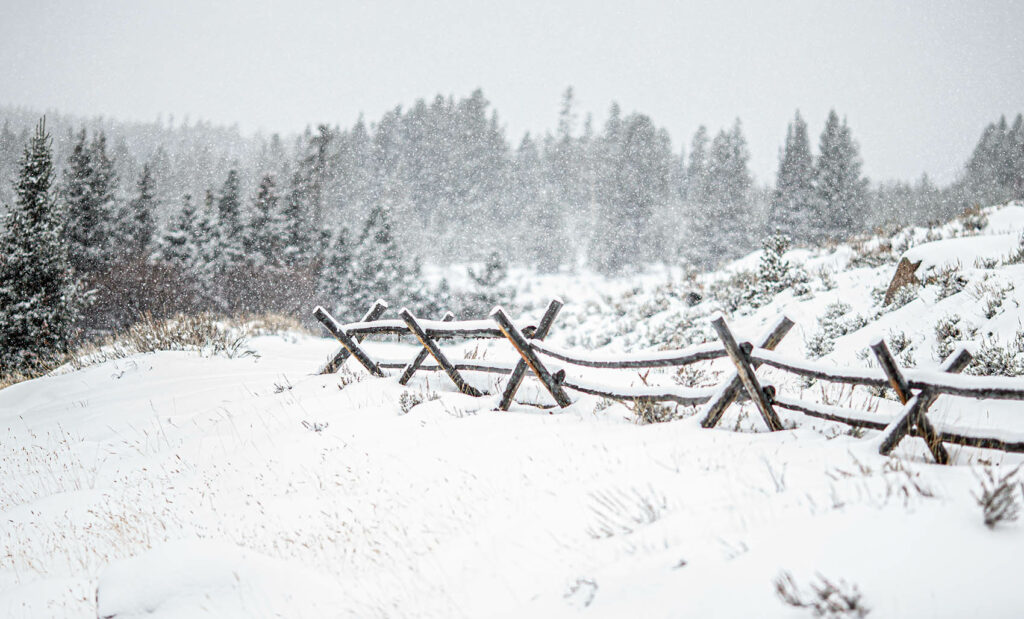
[
  {"x": 827, "y": 599},
  {"x": 949, "y": 280},
  {"x": 991, "y": 296},
  {"x": 948, "y": 331},
  {"x": 826, "y": 276},
  {"x": 902, "y": 347},
  {"x": 837, "y": 321},
  {"x": 994, "y": 359},
  {"x": 409, "y": 399},
  {"x": 868, "y": 254},
  {"x": 973, "y": 221},
  {"x": 999, "y": 496},
  {"x": 1017, "y": 257},
  {"x": 736, "y": 291},
  {"x": 775, "y": 273},
  {"x": 651, "y": 411}
]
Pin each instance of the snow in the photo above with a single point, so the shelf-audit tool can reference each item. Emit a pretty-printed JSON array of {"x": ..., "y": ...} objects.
[{"x": 176, "y": 484}]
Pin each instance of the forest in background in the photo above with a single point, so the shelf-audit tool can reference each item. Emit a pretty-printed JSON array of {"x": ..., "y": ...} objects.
[{"x": 161, "y": 217}]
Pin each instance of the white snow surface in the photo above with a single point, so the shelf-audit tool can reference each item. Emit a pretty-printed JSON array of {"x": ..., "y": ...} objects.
[{"x": 176, "y": 485}]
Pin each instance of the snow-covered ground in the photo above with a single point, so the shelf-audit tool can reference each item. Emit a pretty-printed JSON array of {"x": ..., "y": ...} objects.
[{"x": 180, "y": 485}]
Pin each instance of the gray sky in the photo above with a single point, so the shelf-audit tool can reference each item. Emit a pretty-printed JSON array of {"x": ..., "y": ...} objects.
[{"x": 917, "y": 80}]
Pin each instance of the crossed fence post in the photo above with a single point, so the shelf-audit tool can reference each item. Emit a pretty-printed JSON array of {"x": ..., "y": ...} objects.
[
  {"x": 913, "y": 416},
  {"x": 421, "y": 356},
  {"x": 740, "y": 357},
  {"x": 519, "y": 372},
  {"x": 435, "y": 351},
  {"x": 522, "y": 345},
  {"x": 347, "y": 341},
  {"x": 733, "y": 383},
  {"x": 375, "y": 312}
]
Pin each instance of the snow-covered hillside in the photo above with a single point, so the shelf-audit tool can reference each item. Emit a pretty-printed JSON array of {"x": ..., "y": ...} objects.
[{"x": 178, "y": 484}]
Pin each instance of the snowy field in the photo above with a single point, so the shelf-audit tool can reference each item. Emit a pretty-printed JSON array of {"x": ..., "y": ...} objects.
[{"x": 176, "y": 485}]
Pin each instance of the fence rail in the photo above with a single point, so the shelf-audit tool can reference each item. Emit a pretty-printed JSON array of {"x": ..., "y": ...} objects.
[{"x": 553, "y": 367}]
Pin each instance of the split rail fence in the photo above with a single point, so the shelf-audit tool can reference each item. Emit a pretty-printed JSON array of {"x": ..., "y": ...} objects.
[{"x": 916, "y": 389}]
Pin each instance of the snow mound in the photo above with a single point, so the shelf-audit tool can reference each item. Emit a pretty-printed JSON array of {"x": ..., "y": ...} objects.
[{"x": 210, "y": 579}]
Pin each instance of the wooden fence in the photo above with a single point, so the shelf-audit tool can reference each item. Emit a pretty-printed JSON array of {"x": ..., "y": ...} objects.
[{"x": 916, "y": 389}]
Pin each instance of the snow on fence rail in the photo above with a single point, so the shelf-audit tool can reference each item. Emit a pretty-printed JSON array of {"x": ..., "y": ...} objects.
[{"x": 916, "y": 389}]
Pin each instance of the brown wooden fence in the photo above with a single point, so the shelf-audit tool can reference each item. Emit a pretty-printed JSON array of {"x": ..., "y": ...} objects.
[{"x": 916, "y": 389}]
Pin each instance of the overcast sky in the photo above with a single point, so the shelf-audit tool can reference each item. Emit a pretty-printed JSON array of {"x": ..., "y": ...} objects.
[{"x": 917, "y": 80}]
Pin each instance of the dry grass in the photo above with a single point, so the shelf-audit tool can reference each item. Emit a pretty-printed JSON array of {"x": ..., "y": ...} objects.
[{"x": 206, "y": 334}]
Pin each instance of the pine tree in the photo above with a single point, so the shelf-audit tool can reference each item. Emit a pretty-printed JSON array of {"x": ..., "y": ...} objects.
[
  {"x": 39, "y": 300},
  {"x": 230, "y": 226},
  {"x": 697, "y": 170},
  {"x": 138, "y": 222},
  {"x": 336, "y": 287},
  {"x": 840, "y": 187},
  {"x": 378, "y": 268},
  {"x": 297, "y": 241},
  {"x": 265, "y": 228},
  {"x": 722, "y": 224},
  {"x": 794, "y": 206},
  {"x": 89, "y": 187},
  {"x": 177, "y": 245}
]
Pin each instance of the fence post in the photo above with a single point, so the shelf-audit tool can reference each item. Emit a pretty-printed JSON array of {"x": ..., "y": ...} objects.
[
  {"x": 730, "y": 387},
  {"x": 421, "y": 356},
  {"x": 379, "y": 307},
  {"x": 746, "y": 374},
  {"x": 347, "y": 341},
  {"x": 519, "y": 371},
  {"x": 522, "y": 345},
  {"x": 431, "y": 346},
  {"x": 913, "y": 415}
]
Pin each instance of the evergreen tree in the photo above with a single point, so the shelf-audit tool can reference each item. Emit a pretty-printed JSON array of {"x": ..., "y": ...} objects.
[
  {"x": 697, "y": 170},
  {"x": 378, "y": 268},
  {"x": 297, "y": 241},
  {"x": 265, "y": 228},
  {"x": 336, "y": 287},
  {"x": 177, "y": 245},
  {"x": 794, "y": 206},
  {"x": 138, "y": 223},
  {"x": 840, "y": 187},
  {"x": 39, "y": 301},
  {"x": 722, "y": 224},
  {"x": 230, "y": 226},
  {"x": 89, "y": 187}
]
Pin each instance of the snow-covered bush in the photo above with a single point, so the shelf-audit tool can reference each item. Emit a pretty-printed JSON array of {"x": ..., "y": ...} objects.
[
  {"x": 995, "y": 359},
  {"x": 949, "y": 280},
  {"x": 827, "y": 599},
  {"x": 410, "y": 399},
  {"x": 650, "y": 411},
  {"x": 948, "y": 331},
  {"x": 837, "y": 321},
  {"x": 999, "y": 496}
]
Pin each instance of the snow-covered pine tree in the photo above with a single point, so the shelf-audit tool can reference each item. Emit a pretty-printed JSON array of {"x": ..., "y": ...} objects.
[
  {"x": 177, "y": 244},
  {"x": 488, "y": 287},
  {"x": 336, "y": 286},
  {"x": 378, "y": 267},
  {"x": 697, "y": 169},
  {"x": 39, "y": 299},
  {"x": 794, "y": 208},
  {"x": 840, "y": 187},
  {"x": 230, "y": 225},
  {"x": 722, "y": 225},
  {"x": 206, "y": 238},
  {"x": 266, "y": 232},
  {"x": 137, "y": 222},
  {"x": 88, "y": 192},
  {"x": 297, "y": 250}
]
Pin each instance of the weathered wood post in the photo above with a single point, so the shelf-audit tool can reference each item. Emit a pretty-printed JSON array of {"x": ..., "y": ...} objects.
[
  {"x": 435, "y": 352},
  {"x": 421, "y": 356},
  {"x": 522, "y": 345},
  {"x": 746, "y": 374},
  {"x": 519, "y": 372},
  {"x": 912, "y": 417},
  {"x": 379, "y": 307},
  {"x": 347, "y": 341},
  {"x": 731, "y": 386}
]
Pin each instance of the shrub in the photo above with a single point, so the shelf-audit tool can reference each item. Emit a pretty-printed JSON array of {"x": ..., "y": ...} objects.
[
  {"x": 650, "y": 411},
  {"x": 949, "y": 280},
  {"x": 950, "y": 330},
  {"x": 409, "y": 400},
  {"x": 994, "y": 359},
  {"x": 831, "y": 600},
  {"x": 998, "y": 496},
  {"x": 837, "y": 321}
]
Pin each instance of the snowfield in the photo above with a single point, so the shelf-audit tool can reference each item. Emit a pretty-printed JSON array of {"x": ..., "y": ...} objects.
[{"x": 178, "y": 485}]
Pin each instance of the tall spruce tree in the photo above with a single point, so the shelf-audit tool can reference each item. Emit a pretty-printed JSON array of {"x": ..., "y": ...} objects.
[
  {"x": 39, "y": 300},
  {"x": 794, "y": 205},
  {"x": 90, "y": 184},
  {"x": 265, "y": 227},
  {"x": 230, "y": 225},
  {"x": 378, "y": 267},
  {"x": 722, "y": 224},
  {"x": 177, "y": 244},
  {"x": 138, "y": 221},
  {"x": 840, "y": 187}
]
